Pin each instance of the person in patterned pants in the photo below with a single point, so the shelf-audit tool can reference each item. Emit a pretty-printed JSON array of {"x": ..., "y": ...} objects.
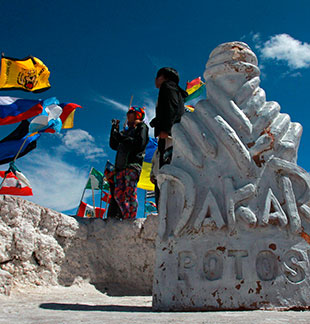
[
  {"x": 130, "y": 145},
  {"x": 125, "y": 192}
]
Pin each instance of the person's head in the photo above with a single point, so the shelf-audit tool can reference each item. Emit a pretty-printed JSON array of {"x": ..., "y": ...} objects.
[
  {"x": 166, "y": 74},
  {"x": 135, "y": 113}
]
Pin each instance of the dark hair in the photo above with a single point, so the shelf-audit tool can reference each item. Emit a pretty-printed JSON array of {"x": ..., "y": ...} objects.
[{"x": 169, "y": 73}]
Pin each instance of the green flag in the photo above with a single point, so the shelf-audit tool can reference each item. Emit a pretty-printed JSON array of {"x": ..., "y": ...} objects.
[{"x": 96, "y": 180}]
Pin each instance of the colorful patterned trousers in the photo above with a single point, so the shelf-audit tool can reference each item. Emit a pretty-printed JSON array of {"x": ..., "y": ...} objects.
[{"x": 125, "y": 192}]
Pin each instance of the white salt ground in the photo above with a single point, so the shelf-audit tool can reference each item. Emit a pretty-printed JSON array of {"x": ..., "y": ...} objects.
[{"x": 84, "y": 304}]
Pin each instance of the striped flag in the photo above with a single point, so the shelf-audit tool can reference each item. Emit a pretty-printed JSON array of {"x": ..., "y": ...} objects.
[
  {"x": 87, "y": 211},
  {"x": 13, "y": 110},
  {"x": 11, "y": 144},
  {"x": 13, "y": 185},
  {"x": 144, "y": 180},
  {"x": 189, "y": 108},
  {"x": 194, "y": 89}
]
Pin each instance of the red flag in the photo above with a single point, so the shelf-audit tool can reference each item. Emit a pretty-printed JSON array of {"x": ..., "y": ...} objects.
[
  {"x": 87, "y": 211},
  {"x": 14, "y": 186},
  {"x": 106, "y": 197}
]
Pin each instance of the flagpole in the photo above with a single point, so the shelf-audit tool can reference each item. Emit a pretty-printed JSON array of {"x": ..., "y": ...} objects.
[
  {"x": 92, "y": 191},
  {"x": 84, "y": 189},
  {"x": 20, "y": 149},
  {"x": 130, "y": 103},
  {"x": 100, "y": 200},
  {"x": 93, "y": 196},
  {"x": 131, "y": 99},
  {"x": 2, "y": 182},
  {"x": 144, "y": 201}
]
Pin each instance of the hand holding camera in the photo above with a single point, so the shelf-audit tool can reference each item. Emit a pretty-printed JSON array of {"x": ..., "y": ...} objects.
[{"x": 115, "y": 123}]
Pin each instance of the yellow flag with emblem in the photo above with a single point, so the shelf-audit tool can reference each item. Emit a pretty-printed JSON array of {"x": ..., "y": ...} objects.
[{"x": 28, "y": 74}]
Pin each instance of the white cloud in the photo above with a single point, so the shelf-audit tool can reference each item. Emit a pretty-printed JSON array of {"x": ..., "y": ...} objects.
[
  {"x": 283, "y": 47},
  {"x": 256, "y": 37},
  {"x": 82, "y": 143},
  {"x": 113, "y": 103},
  {"x": 56, "y": 184}
]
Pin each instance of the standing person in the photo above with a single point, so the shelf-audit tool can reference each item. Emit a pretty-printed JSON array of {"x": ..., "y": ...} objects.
[
  {"x": 169, "y": 110},
  {"x": 130, "y": 145}
]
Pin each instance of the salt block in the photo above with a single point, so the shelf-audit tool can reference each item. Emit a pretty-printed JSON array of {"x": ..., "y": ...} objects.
[{"x": 234, "y": 215}]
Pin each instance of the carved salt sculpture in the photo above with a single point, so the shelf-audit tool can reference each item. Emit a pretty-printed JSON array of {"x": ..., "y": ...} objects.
[{"x": 234, "y": 220}]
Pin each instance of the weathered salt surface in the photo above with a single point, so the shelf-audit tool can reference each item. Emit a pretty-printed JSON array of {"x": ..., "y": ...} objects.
[
  {"x": 234, "y": 220},
  {"x": 41, "y": 247}
]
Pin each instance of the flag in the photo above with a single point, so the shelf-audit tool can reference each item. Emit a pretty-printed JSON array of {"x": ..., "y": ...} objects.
[
  {"x": 144, "y": 181},
  {"x": 150, "y": 207},
  {"x": 11, "y": 144},
  {"x": 189, "y": 108},
  {"x": 194, "y": 89},
  {"x": 13, "y": 185},
  {"x": 96, "y": 180},
  {"x": 150, "y": 194},
  {"x": 66, "y": 117},
  {"x": 14, "y": 110},
  {"x": 28, "y": 74},
  {"x": 106, "y": 197},
  {"x": 87, "y": 211},
  {"x": 48, "y": 119}
]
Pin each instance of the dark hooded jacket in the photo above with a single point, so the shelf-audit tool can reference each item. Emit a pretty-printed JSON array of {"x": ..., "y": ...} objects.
[
  {"x": 130, "y": 145},
  {"x": 170, "y": 107}
]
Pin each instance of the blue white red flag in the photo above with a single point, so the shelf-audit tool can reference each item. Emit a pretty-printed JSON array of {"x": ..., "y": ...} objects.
[{"x": 13, "y": 110}]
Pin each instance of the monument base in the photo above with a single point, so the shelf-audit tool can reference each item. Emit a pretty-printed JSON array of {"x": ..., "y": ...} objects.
[{"x": 258, "y": 269}]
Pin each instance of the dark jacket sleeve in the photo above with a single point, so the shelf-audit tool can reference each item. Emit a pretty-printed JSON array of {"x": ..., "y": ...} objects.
[
  {"x": 136, "y": 142},
  {"x": 167, "y": 108},
  {"x": 114, "y": 138}
]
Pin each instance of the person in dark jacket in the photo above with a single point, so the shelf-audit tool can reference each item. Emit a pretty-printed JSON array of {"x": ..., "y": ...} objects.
[
  {"x": 130, "y": 145},
  {"x": 169, "y": 110},
  {"x": 170, "y": 103}
]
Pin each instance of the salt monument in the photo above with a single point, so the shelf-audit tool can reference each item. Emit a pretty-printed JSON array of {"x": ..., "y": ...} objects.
[{"x": 234, "y": 220}]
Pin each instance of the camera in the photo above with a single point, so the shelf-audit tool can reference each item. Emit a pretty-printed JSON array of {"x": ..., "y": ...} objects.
[{"x": 115, "y": 122}]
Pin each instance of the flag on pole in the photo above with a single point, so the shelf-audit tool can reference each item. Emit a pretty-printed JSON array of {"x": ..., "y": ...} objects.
[
  {"x": 87, "y": 211},
  {"x": 11, "y": 144},
  {"x": 106, "y": 197},
  {"x": 14, "y": 185},
  {"x": 144, "y": 181},
  {"x": 195, "y": 88},
  {"x": 66, "y": 117},
  {"x": 28, "y": 74},
  {"x": 96, "y": 180},
  {"x": 14, "y": 110}
]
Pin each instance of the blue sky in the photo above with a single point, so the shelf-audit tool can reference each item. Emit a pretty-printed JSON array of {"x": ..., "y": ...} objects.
[{"x": 102, "y": 52}]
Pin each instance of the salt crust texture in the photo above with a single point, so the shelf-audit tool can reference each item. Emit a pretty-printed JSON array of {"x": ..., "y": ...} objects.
[{"x": 41, "y": 247}]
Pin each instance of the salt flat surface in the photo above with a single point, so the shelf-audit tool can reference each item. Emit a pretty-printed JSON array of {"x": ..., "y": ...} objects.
[{"x": 84, "y": 304}]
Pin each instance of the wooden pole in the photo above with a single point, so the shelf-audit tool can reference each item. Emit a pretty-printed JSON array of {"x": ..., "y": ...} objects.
[
  {"x": 84, "y": 189},
  {"x": 144, "y": 201},
  {"x": 2, "y": 182},
  {"x": 131, "y": 99},
  {"x": 20, "y": 149}
]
